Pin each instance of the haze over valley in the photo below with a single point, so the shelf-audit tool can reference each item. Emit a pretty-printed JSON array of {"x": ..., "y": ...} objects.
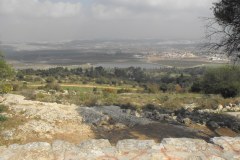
[{"x": 148, "y": 53}]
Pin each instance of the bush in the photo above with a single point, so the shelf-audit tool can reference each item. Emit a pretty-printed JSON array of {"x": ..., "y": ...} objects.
[
  {"x": 16, "y": 87},
  {"x": 196, "y": 87},
  {"x": 152, "y": 88},
  {"x": 224, "y": 81},
  {"x": 53, "y": 86},
  {"x": 3, "y": 118},
  {"x": 109, "y": 91},
  {"x": 229, "y": 91},
  {"x": 6, "y": 70},
  {"x": 5, "y": 88},
  {"x": 163, "y": 87},
  {"x": 50, "y": 80},
  {"x": 123, "y": 90},
  {"x": 3, "y": 108}
]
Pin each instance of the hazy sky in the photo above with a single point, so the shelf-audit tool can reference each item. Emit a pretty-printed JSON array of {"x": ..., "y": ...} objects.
[{"x": 57, "y": 20}]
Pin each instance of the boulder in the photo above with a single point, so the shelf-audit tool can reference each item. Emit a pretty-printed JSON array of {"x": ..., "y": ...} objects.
[
  {"x": 213, "y": 125},
  {"x": 220, "y": 107},
  {"x": 1, "y": 99},
  {"x": 187, "y": 121}
]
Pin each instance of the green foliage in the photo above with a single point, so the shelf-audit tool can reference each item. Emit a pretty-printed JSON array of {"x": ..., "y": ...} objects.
[
  {"x": 229, "y": 90},
  {"x": 152, "y": 88},
  {"x": 5, "y": 70},
  {"x": 5, "y": 88},
  {"x": 3, "y": 118},
  {"x": 16, "y": 87},
  {"x": 224, "y": 81},
  {"x": 123, "y": 90},
  {"x": 50, "y": 80},
  {"x": 53, "y": 86},
  {"x": 163, "y": 87},
  {"x": 196, "y": 87},
  {"x": 227, "y": 15},
  {"x": 3, "y": 108}
]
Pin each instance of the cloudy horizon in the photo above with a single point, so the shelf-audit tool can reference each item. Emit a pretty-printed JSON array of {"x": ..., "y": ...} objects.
[{"x": 59, "y": 20}]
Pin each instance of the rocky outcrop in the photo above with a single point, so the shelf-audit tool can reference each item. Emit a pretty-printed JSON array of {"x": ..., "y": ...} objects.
[
  {"x": 221, "y": 148},
  {"x": 222, "y": 116},
  {"x": 45, "y": 121}
]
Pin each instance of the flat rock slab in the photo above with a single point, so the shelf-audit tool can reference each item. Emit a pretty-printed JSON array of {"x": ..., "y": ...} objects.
[
  {"x": 235, "y": 114},
  {"x": 170, "y": 148}
]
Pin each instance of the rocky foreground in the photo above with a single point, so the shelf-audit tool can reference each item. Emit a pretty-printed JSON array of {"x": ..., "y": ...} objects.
[
  {"x": 56, "y": 131},
  {"x": 170, "y": 148}
]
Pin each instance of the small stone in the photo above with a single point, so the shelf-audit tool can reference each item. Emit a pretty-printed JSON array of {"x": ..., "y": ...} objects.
[
  {"x": 213, "y": 125},
  {"x": 120, "y": 125},
  {"x": 136, "y": 114},
  {"x": 220, "y": 107},
  {"x": 128, "y": 111},
  {"x": 187, "y": 121},
  {"x": 228, "y": 107}
]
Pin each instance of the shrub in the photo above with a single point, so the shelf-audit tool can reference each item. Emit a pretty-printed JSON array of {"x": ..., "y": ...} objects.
[
  {"x": 152, "y": 88},
  {"x": 196, "y": 87},
  {"x": 128, "y": 106},
  {"x": 40, "y": 96},
  {"x": 95, "y": 89},
  {"x": 224, "y": 81},
  {"x": 109, "y": 91},
  {"x": 163, "y": 87},
  {"x": 178, "y": 88},
  {"x": 3, "y": 108},
  {"x": 16, "y": 87},
  {"x": 123, "y": 90},
  {"x": 229, "y": 91},
  {"x": 3, "y": 118},
  {"x": 53, "y": 86},
  {"x": 50, "y": 80},
  {"x": 5, "y": 88}
]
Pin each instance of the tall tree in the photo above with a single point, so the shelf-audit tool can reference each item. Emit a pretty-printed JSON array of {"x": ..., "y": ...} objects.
[
  {"x": 5, "y": 70},
  {"x": 226, "y": 35}
]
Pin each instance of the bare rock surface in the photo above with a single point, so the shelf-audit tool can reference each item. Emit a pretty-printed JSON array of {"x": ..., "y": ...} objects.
[
  {"x": 45, "y": 121},
  {"x": 72, "y": 125},
  {"x": 96, "y": 114},
  {"x": 222, "y": 148}
]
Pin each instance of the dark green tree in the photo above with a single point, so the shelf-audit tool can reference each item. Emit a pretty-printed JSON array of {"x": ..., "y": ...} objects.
[
  {"x": 224, "y": 81},
  {"x": 6, "y": 70},
  {"x": 224, "y": 28}
]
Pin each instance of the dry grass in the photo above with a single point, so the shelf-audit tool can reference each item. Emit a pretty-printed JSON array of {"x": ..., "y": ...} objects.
[{"x": 10, "y": 123}]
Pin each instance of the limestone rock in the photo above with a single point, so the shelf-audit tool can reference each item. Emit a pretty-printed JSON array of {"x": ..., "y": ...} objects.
[
  {"x": 221, "y": 148},
  {"x": 1, "y": 99},
  {"x": 187, "y": 121},
  {"x": 213, "y": 125}
]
